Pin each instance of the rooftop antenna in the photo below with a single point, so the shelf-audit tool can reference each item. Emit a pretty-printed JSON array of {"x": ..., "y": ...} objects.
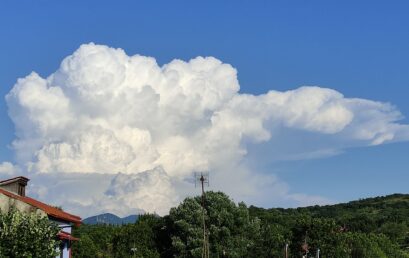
[{"x": 202, "y": 179}]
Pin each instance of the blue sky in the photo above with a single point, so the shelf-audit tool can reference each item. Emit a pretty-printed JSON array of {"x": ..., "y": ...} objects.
[{"x": 358, "y": 48}]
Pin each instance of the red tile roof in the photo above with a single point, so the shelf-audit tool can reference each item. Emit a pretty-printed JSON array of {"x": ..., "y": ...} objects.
[
  {"x": 49, "y": 210},
  {"x": 67, "y": 236}
]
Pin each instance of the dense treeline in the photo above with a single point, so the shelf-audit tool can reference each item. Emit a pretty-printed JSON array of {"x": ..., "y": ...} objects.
[{"x": 376, "y": 227}]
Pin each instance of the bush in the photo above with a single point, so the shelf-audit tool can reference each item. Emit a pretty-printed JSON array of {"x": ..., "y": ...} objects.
[{"x": 27, "y": 235}]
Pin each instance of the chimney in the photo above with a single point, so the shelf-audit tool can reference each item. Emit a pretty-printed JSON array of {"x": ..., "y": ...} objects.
[{"x": 15, "y": 185}]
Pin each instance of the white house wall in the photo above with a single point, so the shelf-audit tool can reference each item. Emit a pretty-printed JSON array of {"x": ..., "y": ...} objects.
[{"x": 7, "y": 202}]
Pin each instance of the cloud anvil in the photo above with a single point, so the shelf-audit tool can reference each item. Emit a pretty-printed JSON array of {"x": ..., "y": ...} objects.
[{"x": 106, "y": 112}]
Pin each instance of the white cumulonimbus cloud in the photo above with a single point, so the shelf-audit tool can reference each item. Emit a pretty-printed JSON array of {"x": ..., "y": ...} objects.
[
  {"x": 106, "y": 112},
  {"x": 7, "y": 168}
]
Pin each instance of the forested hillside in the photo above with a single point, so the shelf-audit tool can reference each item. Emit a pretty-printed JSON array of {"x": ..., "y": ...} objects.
[
  {"x": 374, "y": 227},
  {"x": 110, "y": 219}
]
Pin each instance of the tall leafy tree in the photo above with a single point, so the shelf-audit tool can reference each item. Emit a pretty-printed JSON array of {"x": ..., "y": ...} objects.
[
  {"x": 94, "y": 241},
  {"x": 137, "y": 240},
  {"x": 231, "y": 231},
  {"x": 27, "y": 235},
  {"x": 85, "y": 248}
]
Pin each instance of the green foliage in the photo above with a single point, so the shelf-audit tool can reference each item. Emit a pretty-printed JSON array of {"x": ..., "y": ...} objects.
[
  {"x": 105, "y": 241},
  {"x": 85, "y": 247},
  {"x": 230, "y": 229},
  {"x": 95, "y": 241},
  {"x": 140, "y": 236},
  {"x": 27, "y": 235},
  {"x": 376, "y": 227}
]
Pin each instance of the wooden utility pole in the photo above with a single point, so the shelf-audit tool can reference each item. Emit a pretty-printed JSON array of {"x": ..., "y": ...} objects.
[{"x": 203, "y": 178}]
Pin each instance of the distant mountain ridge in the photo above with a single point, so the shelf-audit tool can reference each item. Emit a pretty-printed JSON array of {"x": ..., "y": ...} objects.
[{"x": 110, "y": 219}]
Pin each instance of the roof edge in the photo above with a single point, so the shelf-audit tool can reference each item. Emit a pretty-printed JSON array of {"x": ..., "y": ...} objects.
[{"x": 48, "y": 209}]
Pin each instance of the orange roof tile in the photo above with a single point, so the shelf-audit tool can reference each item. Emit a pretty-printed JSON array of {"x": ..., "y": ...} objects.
[
  {"x": 65, "y": 235},
  {"x": 49, "y": 210}
]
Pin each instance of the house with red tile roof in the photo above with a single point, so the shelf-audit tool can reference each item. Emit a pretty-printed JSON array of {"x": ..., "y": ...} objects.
[{"x": 13, "y": 194}]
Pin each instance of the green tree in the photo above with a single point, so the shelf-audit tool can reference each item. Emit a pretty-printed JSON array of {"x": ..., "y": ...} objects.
[
  {"x": 27, "y": 235},
  {"x": 397, "y": 232},
  {"x": 375, "y": 227},
  {"x": 232, "y": 232},
  {"x": 85, "y": 247},
  {"x": 140, "y": 236},
  {"x": 271, "y": 241},
  {"x": 97, "y": 238}
]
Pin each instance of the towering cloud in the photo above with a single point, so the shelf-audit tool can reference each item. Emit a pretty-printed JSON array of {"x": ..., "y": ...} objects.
[{"x": 106, "y": 112}]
